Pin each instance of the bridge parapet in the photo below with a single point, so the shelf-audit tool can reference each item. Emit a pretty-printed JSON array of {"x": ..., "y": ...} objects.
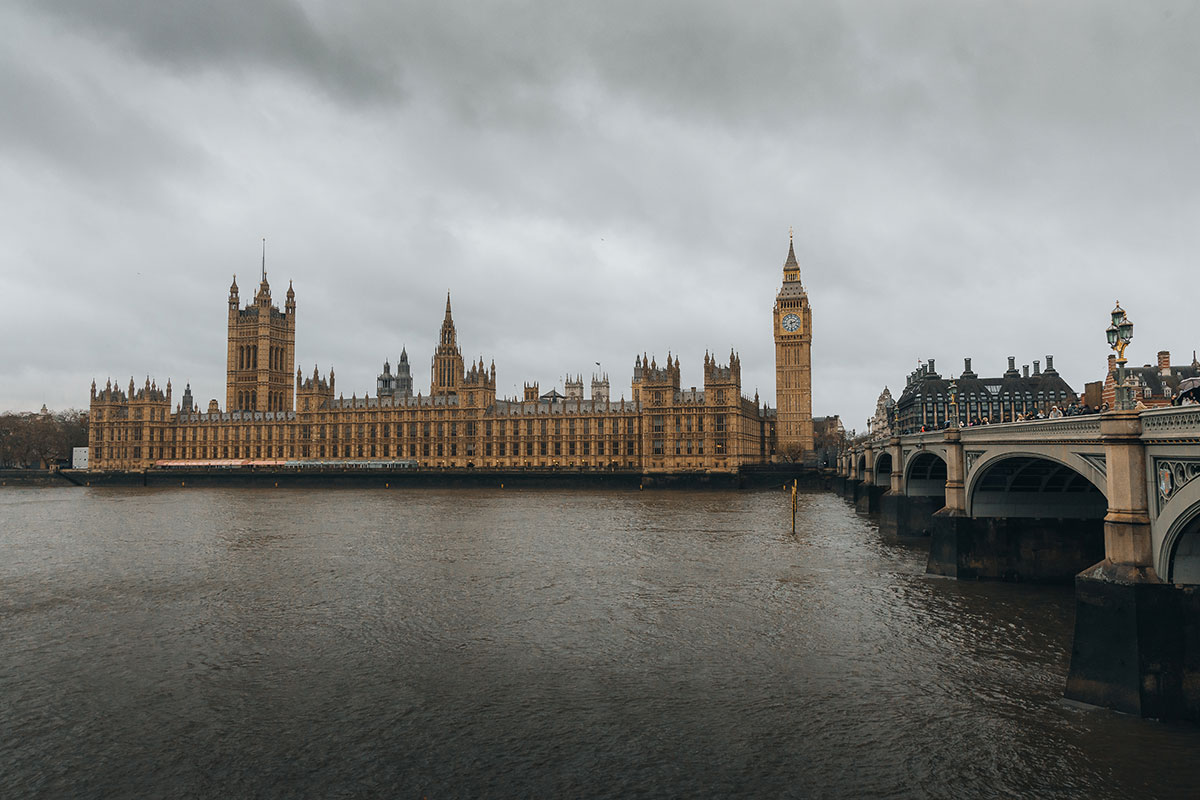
[
  {"x": 1181, "y": 424},
  {"x": 1042, "y": 430}
]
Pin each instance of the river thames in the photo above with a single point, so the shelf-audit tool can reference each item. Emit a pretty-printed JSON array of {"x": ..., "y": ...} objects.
[{"x": 494, "y": 643}]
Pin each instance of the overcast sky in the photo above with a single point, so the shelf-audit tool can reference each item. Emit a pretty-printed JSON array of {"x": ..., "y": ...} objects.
[{"x": 590, "y": 182}]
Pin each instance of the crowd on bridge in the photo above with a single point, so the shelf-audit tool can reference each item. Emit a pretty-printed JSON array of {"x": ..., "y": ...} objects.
[{"x": 1076, "y": 408}]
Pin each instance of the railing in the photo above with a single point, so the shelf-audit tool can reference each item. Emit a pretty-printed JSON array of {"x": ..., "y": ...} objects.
[
  {"x": 1084, "y": 427},
  {"x": 1181, "y": 422}
]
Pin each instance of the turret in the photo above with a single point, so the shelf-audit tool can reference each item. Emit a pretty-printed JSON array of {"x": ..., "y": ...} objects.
[
  {"x": 573, "y": 388},
  {"x": 600, "y": 388}
]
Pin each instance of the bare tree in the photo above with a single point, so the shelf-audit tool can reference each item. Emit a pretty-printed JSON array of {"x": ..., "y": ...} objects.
[{"x": 42, "y": 439}]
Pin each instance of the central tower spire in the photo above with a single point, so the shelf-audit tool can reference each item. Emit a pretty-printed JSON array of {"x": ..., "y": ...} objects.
[{"x": 446, "y": 373}]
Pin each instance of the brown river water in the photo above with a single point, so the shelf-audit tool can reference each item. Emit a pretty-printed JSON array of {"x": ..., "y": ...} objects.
[{"x": 494, "y": 643}]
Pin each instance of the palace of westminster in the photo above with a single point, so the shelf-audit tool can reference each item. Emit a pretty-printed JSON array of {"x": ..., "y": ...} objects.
[{"x": 276, "y": 416}]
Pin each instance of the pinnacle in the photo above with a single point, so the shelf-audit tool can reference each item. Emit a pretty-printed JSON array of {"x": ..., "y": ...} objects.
[{"x": 791, "y": 262}]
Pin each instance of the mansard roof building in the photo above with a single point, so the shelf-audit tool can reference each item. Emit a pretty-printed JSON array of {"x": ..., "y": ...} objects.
[
  {"x": 1152, "y": 385},
  {"x": 925, "y": 403}
]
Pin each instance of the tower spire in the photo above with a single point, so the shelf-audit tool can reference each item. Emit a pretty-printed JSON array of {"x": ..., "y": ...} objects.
[
  {"x": 264, "y": 258},
  {"x": 791, "y": 262}
]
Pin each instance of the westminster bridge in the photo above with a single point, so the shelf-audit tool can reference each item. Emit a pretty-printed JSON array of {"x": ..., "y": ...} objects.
[{"x": 1109, "y": 499}]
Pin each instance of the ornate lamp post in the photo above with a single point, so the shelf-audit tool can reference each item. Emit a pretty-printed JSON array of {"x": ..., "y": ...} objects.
[
  {"x": 1120, "y": 334},
  {"x": 953, "y": 389}
]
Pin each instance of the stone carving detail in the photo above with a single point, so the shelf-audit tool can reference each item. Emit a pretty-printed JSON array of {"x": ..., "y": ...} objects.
[
  {"x": 1068, "y": 428},
  {"x": 1176, "y": 423},
  {"x": 1171, "y": 475},
  {"x": 971, "y": 456},
  {"x": 1097, "y": 461}
]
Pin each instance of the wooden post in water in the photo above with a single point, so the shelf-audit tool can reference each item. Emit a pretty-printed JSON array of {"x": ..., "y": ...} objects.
[{"x": 793, "y": 506}]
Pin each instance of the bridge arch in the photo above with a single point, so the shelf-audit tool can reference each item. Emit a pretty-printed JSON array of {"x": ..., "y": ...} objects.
[
  {"x": 862, "y": 467},
  {"x": 883, "y": 469},
  {"x": 1025, "y": 484},
  {"x": 925, "y": 475},
  {"x": 1178, "y": 554}
]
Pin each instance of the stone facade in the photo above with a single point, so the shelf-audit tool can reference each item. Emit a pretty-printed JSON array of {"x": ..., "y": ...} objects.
[
  {"x": 792, "y": 318},
  {"x": 1153, "y": 385},
  {"x": 262, "y": 351},
  {"x": 272, "y": 421}
]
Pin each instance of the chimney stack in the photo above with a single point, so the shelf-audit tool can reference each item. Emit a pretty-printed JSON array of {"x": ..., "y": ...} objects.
[
  {"x": 1049, "y": 363},
  {"x": 1037, "y": 367},
  {"x": 1025, "y": 371},
  {"x": 1164, "y": 362},
  {"x": 1112, "y": 361}
]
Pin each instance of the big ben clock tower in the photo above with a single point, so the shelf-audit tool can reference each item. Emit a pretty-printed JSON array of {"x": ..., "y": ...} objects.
[{"x": 793, "y": 364}]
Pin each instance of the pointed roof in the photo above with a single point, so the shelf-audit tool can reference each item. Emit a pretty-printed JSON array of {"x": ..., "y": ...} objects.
[{"x": 791, "y": 262}]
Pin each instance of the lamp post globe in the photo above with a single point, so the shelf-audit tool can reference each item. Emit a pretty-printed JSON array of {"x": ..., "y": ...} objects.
[{"x": 1119, "y": 334}]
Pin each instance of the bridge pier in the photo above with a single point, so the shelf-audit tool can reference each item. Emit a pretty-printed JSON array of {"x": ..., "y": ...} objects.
[
  {"x": 901, "y": 515},
  {"x": 1135, "y": 647},
  {"x": 868, "y": 497},
  {"x": 1017, "y": 549},
  {"x": 1137, "y": 639}
]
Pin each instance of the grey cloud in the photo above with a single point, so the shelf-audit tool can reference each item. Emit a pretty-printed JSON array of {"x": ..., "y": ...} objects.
[
  {"x": 595, "y": 180},
  {"x": 82, "y": 128},
  {"x": 230, "y": 35}
]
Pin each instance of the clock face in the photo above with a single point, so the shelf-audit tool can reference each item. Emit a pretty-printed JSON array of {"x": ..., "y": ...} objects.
[{"x": 790, "y": 323}]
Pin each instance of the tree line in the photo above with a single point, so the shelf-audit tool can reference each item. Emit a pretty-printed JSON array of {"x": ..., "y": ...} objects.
[{"x": 33, "y": 440}]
